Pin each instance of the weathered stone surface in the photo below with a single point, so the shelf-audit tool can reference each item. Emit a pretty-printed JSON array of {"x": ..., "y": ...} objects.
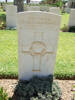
[
  {"x": 38, "y": 35},
  {"x": 72, "y": 18},
  {"x": 11, "y": 11}
]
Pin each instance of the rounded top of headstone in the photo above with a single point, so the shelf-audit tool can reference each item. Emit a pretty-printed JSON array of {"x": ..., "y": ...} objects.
[{"x": 41, "y": 12}]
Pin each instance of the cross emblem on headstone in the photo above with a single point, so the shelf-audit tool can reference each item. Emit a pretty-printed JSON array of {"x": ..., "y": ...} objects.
[{"x": 37, "y": 50}]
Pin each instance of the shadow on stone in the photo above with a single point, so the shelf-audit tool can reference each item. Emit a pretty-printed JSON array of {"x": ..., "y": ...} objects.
[
  {"x": 37, "y": 88},
  {"x": 72, "y": 29}
]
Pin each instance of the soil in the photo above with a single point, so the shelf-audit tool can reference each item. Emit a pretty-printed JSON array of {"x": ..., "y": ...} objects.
[{"x": 65, "y": 85}]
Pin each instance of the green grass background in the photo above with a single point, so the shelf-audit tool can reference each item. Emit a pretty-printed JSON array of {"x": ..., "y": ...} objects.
[{"x": 64, "y": 19}]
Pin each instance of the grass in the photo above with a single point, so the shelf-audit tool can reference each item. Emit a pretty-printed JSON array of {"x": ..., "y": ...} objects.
[
  {"x": 65, "y": 19},
  {"x": 2, "y": 12},
  {"x": 73, "y": 91},
  {"x": 65, "y": 62},
  {"x": 2, "y": 18},
  {"x": 8, "y": 53}
]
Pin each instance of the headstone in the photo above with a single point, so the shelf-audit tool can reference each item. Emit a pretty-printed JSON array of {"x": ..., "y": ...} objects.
[
  {"x": 4, "y": 7},
  {"x": 38, "y": 36},
  {"x": 33, "y": 8},
  {"x": 44, "y": 8},
  {"x": 71, "y": 4},
  {"x": 25, "y": 8},
  {"x": 55, "y": 10},
  {"x": 11, "y": 11},
  {"x": 72, "y": 18}
]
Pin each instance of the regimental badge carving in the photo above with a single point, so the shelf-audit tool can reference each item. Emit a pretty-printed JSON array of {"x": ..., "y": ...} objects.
[{"x": 37, "y": 50}]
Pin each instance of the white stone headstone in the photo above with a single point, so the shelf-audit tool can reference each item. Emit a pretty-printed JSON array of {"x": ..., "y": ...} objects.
[
  {"x": 55, "y": 10},
  {"x": 72, "y": 18},
  {"x": 25, "y": 8},
  {"x": 33, "y": 8},
  {"x": 11, "y": 11},
  {"x": 38, "y": 36}
]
